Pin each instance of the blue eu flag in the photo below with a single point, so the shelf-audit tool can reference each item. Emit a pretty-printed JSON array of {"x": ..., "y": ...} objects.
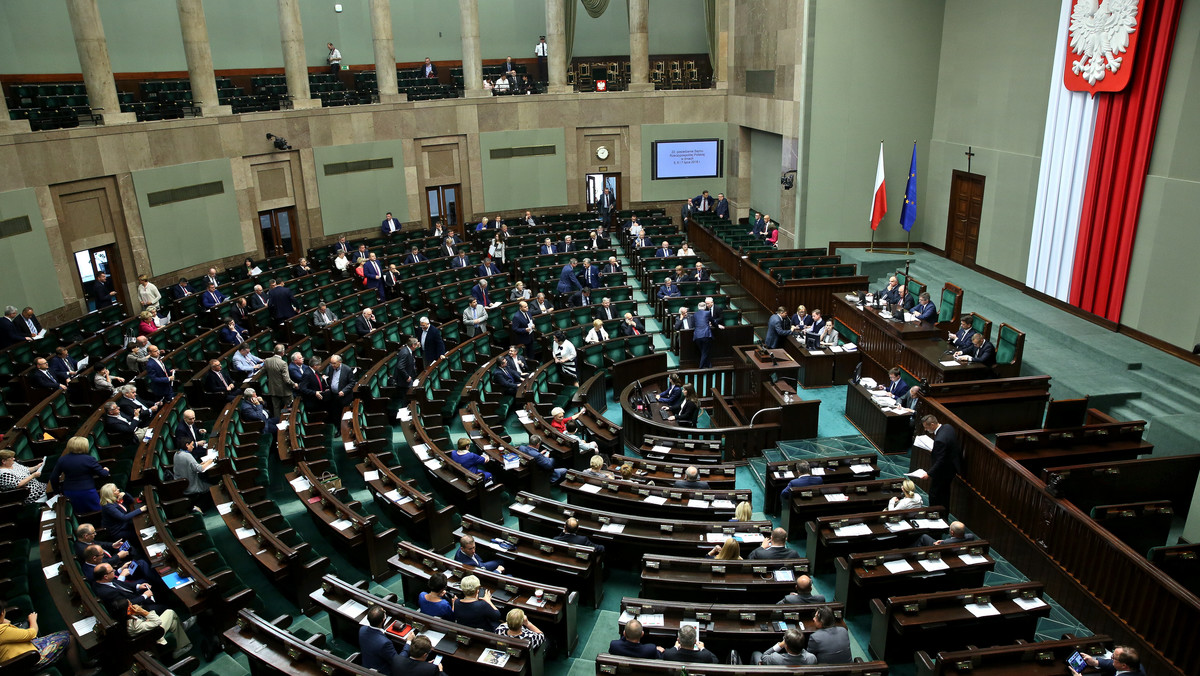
[{"x": 908, "y": 213}]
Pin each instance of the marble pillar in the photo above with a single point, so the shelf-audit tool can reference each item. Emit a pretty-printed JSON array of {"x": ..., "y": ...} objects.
[
  {"x": 472, "y": 63},
  {"x": 639, "y": 46},
  {"x": 556, "y": 47},
  {"x": 93, "y": 61},
  {"x": 199, "y": 58},
  {"x": 385, "y": 52},
  {"x": 295, "y": 68}
]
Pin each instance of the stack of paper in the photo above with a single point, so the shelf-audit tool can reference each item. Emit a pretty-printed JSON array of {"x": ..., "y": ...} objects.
[
  {"x": 342, "y": 524},
  {"x": 371, "y": 475},
  {"x": 352, "y": 608},
  {"x": 224, "y": 508},
  {"x": 1029, "y": 604},
  {"x": 245, "y": 533},
  {"x": 982, "y": 610},
  {"x": 520, "y": 507},
  {"x": 898, "y": 566},
  {"x": 817, "y": 471},
  {"x": 300, "y": 484},
  {"x": 852, "y": 530},
  {"x": 861, "y": 469},
  {"x": 155, "y": 550},
  {"x": 924, "y": 441},
  {"x": 589, "y": 488},
  {"x": 836, "y": 497},
  {"x": 972, "y": 559},
  {"x": 949, "y": 363},
  {"x": 931, "y": 523},
  {"x": 934, "y": 565},
  {"x": 702, "y": 504},
  {"x": 85, "y": 626},
  {"x": 613, "y": 528},
  {"x": 655, "y": 499},
  {"x": 433, "y": 465},
  {"x": 897, "y": 527},
  {"x": 722, "y": 504}
]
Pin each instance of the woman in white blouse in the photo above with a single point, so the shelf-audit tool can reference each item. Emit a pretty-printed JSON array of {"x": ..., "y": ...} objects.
[
  {"x": 685, "y": 250},
  {"x": 597, "y": 333},
  {"x": 564, "y": 355},
  {"x": 496, "y": 248},
  {"x": 14, "y": 475},
  {"x": 908, "y": 499},
  {"x": 341, "y": 262}
]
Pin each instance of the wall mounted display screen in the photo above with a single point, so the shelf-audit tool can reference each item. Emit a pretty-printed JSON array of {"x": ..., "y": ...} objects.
[{"x": 697, "y": 158}]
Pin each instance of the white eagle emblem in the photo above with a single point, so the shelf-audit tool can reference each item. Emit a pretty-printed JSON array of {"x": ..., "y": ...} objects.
[{"x": 1100, "y": 30}]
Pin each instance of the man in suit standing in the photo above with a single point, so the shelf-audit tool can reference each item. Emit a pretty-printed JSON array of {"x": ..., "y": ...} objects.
[
  {"x": 604, "y": 205},
  {"x": 406, "y": 366},
  {"x": 522, "y": 328},
  {"x": 391, "y": 277},
  {"x": 374, "y": 646},
  {"x": 429, "y": 70},
  {"x": 364, "y": 324},
  {"x": 161, "y": 379},
  {"x": 721, "y": 209},
  {"x": 187, "y": 433},
  {"x": 947, "y": 460},
  {"x": 717, "y": 312},
  {"x": 280, "y": 385},
  {"x": 280, "y": 302},
  {"x": 539, "y": 50},
  {"x": 103, "y": 292},
  {"x": 591, "y": 275},
  {"x": 630, "y": 644},
  {"x": 480, "y": 292},
  {"x": 702, "y": 336},
  {"x": 778, "y": 329},
  {"x": 390, "y": 225},
  {"x": 685, "y": 212},
  {"x": 568, "y": 283},
  {"x": 341, "y": 383},
  {"x": 432, "y": 346},
  {"x": 962, "y": 339},
  {"x": 474, "y": 318},
  {"x": 702, "y": 202},
  {"x": 373, "y": 272},
  {"x": 414, "y": 256},
  {"x": 10, "y": 332},
  {"x": 803, "y": 478},
  {"x": 774, "y": 547}
]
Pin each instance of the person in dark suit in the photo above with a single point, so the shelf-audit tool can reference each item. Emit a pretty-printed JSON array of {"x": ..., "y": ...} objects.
[
  {"x": 774, "y": 547},
  {"x": 43, "y": 377},
  {"x": 238, "y": 310},
  {"x": 341, "y": 383},
  {"x": 280, "y": 302},
  {"x": 115, "y": 517},
  {"x": 925, "y": 310},
  {"x": 502, "y": 378},
  {"x": 947, "y": 460},
  {"x": 778, "y": 329},
  {"x": 341, "y": 246},
  {"x": 466, "y": 555},
  {"x": 488, "y": 268},
  {"x": 604, "y": 206},
  {"x": 391, "y": 277},
  {"x": 632, "y": 326},
  {"x": 721, "y": 208},
  {"x": 182, "y": 289},
  {"x": 958, "y": 534},
  {"x": 804, "y": 477},
  {"x": 804, "y": 593},
  {"x": 700, "y": 273},
  {"x": 212, "y": 297},
  {"x": 373, "y": 272},
  {"x": 961, "y": 340},
  {"x": 897, "y": 387},
  {"x": 891, "y": 292},
  {"x": 566, "y": 246},
  {"x": 981, "y": 351},
  {"x": 438, "y": 231},
  {"x": 102, "y": 291},
  {"x": 160, "y": 377},
  {"x": 546, "y": 248},
  {"x": 904, "y": 299},
  {"x": 830, "y": 643},
  {"x": 691, "y": 479},
  {"x": 10, "y": 333},
  {"x": 309, "y": 382},
  {"x": 689, "y": 409},
  {"x": 63, "y": 366},
  {"x": 685, "y": 212},
  {"x": 630, "y": 644},
  {"x": 460, "y": 261},
  {"x": 611, "y": 267},
  {"x": 480, "y": 292},
  {"x": 568, "y": 283},
  {"x": 133, "y": 408},
  {"x": 523, "y": 329},
  {"x": 390, "y": 226},
  {"x": 668, "y": 289},
  {"x": 414, "y": 256},
  {"x": 232, "y": 334},
  {"x": 301, "y": 269},
  {"x": 590, "y": 275},
  {"x": 788, "y": 652},
  {"x": 688, "y": 649},
  {"x": 119, "y": 427},
  {"x": 702, "y": 335},
  {"x": 374, "y": 646},
  {"x": 108, "y": 589},
  {"x": 446, "y": 250},
  {"x": 257, "y": 299},
  {"x": 413, "y": 660},
  {"x": 187, "y": 433},
  {"x": 664, "y": 251},
  {"x": 670, "y": 396},
  {"x": 640, "y": 242},
  {"x": 541, "y": 304},
  {"x": 1124, "y": 660},
  {"x": 429, "y": 70},
  {"x": 365, "y": 323},
  {"x": 702, "y": 203},
  {"x": 605, "y": 310},
  {"x": 432, "y": 347},
  {"x": 572, "y": 535},
  {"x": 406, "y": 366}
]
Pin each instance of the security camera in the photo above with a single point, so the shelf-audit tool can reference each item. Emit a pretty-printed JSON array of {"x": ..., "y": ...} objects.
[{"x": 279, "y": 141}]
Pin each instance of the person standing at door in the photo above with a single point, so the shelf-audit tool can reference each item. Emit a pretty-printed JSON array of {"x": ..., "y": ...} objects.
[
  {"x": 103, "y": 292},
  {"x": 605, "y": 205}
]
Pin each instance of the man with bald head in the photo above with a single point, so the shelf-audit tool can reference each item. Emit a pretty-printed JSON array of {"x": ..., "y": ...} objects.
[
  {"x": 774, "y": 547},
  {"x": 803, "y": 594},
  {"x": 572, "y": 535},
  {"x": 630, "y": 644}
]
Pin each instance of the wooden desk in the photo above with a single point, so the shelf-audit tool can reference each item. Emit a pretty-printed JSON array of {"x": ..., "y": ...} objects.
[
  {"x": 832, "y": 469},
  {"x": 1087, "y": 485},
  {"x": 747, "y": 581},
  {"x": 865, "y": 575},
  {"x": 662, "y": 502},
  {"x": 661, "y": 473},
  {"x": 901, "y": 625},
  {"x": 827, "y": 538},
  {"x": 630, "y": 666},
  {"x": 809, "y": 502},
  {"x": 1044, "y": 658},
  {"x": 823, "y": 367},
  {"x": 406, "y": 504},
  {"x": 996, "y": 405},
  {"x": 887, "y": 431},
  {"x": 556, "y": 616},
  {"x": 272, "y": 649}
]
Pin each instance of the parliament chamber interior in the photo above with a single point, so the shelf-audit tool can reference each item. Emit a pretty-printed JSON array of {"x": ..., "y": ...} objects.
[{"x": 557, "y": 337}]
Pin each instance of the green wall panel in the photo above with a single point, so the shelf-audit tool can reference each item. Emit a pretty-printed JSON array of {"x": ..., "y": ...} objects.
[
  {"x": 194, "y": 231},
  {"x": 766, "y": 166},
  {"x": 30, "y": 277},
  {"x": 676, "y": 27},
  {"x": 35, "y": 37},
  {"x": 872, "y": 79},
  {"x": 523, "y": 182},
  {"x": 360, "y": 199},
  {"x": 682, "y": 188},
  {"x": 510, "y": 27}
]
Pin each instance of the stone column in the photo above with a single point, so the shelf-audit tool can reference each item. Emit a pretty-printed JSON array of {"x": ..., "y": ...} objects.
[
  {"x": 556, "y": 47},
  {"x": 385, "y": 52},
  {"x": 472, "y": 64},
  {"x": 295, "y": 68},
  {"x": 8, "y": 126},
  {"x": 199, "y": 58},
  {"x": 93, "y": 61},
  {"x": 724, "y": 44},
  {"x": 639, "y": 46}
]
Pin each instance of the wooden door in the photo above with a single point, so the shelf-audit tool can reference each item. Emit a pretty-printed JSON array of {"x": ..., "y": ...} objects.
[{"x": 962, "y": 228}]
